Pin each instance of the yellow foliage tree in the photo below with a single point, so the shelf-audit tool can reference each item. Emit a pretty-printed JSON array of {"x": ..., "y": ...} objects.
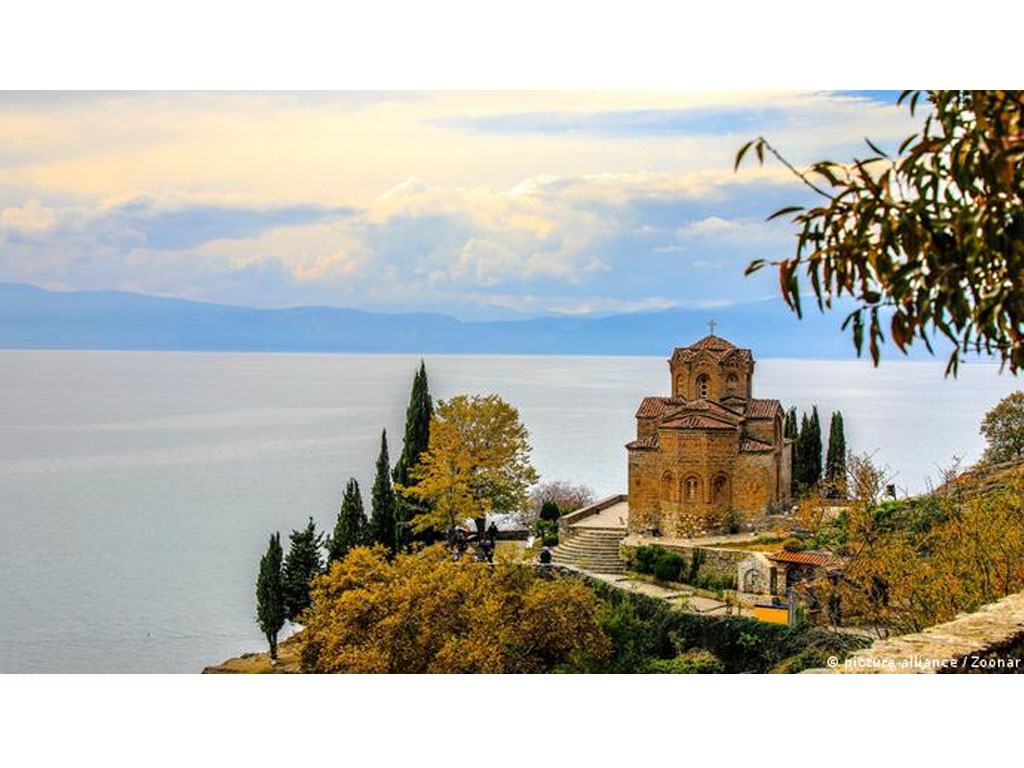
[
  {"x": 477, "y": 462},
  {"x": 906, "y": 573},
  {"x": 423, "y": 612}
]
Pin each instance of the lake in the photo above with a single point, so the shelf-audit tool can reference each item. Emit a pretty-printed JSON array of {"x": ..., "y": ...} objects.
[{"x": 138, "y": 489}]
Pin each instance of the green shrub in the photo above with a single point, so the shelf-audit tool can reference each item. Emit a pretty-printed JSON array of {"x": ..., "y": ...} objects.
[
  {"x": 733, "y": 520},
  {"x": 668, "y": 566},
  {"x": 699, "y": 556},
  {"x": 644, "y": 558},
  {"x": 549, "y": 540},
  {"x": 696, "y": 662},
  {"x": 793, "y": 544},
  {"x": 549, "y": 511},
  {"x": 714, "y": 583}
]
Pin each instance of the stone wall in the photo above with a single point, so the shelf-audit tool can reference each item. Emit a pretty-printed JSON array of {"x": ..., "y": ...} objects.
[
  {"x": 989, "y": 640},
  {"x": 721, "y": 563}
]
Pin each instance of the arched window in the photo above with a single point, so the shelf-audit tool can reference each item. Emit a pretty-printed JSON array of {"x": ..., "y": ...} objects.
[
  {"x": 732, "y": 384},
  {"x": 703, "y": 386},
  {"x": 692, "y": 489}
]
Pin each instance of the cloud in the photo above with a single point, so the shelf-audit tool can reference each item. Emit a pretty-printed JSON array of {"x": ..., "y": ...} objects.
[
  {"x": 31, "y": 217},
  {"x": 473, "y": 204}
]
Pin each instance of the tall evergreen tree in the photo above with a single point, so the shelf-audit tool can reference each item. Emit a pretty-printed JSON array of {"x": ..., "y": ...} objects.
[
  {"x": 835, "y": 460},
  {"x": 790, "y": 429},
  {"x": 301, "y": 564},
  {"x": 383, "y": 502},
  {"x": 270, "y": 607},
  {"x": 417, "y": 438},
  {"x": 800, "y": 455},
  {"x": 350, "y": 529},
  {"x": 813, "y": 456}
]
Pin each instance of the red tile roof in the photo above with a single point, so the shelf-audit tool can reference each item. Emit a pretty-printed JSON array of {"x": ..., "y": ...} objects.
[
  {"x": 762, "y": 409},
  {"x": 810, "y": 557},
  {"x": 650, "y": 441},
  {"x": 718, "y": 346},
  {"x": 655, "y": 406},
  {"x": 716, "y": 343}
]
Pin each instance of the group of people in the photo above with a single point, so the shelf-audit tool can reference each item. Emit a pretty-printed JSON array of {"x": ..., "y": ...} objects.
[{"x": 461, "y": 539}]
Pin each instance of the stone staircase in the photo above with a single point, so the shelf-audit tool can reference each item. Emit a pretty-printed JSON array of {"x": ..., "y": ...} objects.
[{"x": 591, "y": 549}]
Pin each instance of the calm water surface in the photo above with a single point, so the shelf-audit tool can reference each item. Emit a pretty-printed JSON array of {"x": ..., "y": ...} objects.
[{"x": 137, "y": 489}]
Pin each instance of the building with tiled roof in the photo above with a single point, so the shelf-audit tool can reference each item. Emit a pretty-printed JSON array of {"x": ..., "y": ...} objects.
[{"x": 709, "y": 448}]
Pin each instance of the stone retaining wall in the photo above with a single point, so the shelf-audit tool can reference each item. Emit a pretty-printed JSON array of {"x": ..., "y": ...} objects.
[
  {"x": 989, "y": 640},
  {"x": 719, "y": 562}
]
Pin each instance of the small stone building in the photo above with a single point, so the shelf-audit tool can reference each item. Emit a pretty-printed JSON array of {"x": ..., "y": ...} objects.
[{"x": 710, "y": 448}]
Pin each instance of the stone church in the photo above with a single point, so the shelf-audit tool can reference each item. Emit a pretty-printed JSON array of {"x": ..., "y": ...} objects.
[{"x": 710, "y": 448}]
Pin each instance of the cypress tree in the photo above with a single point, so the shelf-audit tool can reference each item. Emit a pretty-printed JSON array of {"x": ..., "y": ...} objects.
[
  {"x": 813, "y": 466},
  {"x": 417, "y": 426},
  {"x": 416, "y": 440},
  {"x": 800, "y": 455},
  {"x": 790, "y": 430},
  {"x": 383, "y": 503},
  {"x": 270, "y": 608},
  {"x": 350, "y": 529},
  {"x": 835, "y": 461},
  {"x": 302, "y": 563}
]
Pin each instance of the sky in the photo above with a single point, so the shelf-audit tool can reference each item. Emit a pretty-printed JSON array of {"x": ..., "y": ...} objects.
[{"x": 480, "y": 205}]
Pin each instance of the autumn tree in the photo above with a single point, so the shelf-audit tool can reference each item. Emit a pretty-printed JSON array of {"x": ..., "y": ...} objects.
[
  {"x": 383, "y": 504},
  {"x": 270, "y": 603},
  {"x": 566, "y": 496},
  {"x": 422, "y": 612},
  {"x": 351, "y": 528},
  {"x": 1003, "y": 429},
  {"x": 477, "y": 463},
  {"x": 301, "y": 564},
  {"x": 927, "y": 240},
  {"x": 415, "y": 442}
]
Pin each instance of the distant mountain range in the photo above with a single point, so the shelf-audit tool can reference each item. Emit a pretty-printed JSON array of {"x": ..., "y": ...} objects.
[{"x": 33, "y": 318}]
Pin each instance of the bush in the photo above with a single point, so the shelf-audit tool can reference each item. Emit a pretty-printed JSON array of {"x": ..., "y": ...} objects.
[
  {"x": 695, "y": 662},
  {"x": 549, "y": 511},
  {"x": 793, "y": 544},
  {"x": 699, "y": 556},
  {"x": 549, "y": 540},
  {"x": 668, "y": 566},
  {"x": 714, "y": 583},
  {"x": 732, "y": 521},
  {"x": 644, "y": 558}
]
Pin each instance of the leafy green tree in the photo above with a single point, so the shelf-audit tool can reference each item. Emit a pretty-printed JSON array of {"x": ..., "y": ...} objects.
[
  {"x": 301, "y": 564},
  {"x": 350, "y": 529},
  {"x": 550, "y": 512},
  {"x": 835, "y": 459},
  {"x": 929, "y": 239},
  {"x": 383, "y": 504},
  {"x": 270, "y": 606},
  {"x": 416, "y": 440},
  {"x": 1003, "y": 428}
]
